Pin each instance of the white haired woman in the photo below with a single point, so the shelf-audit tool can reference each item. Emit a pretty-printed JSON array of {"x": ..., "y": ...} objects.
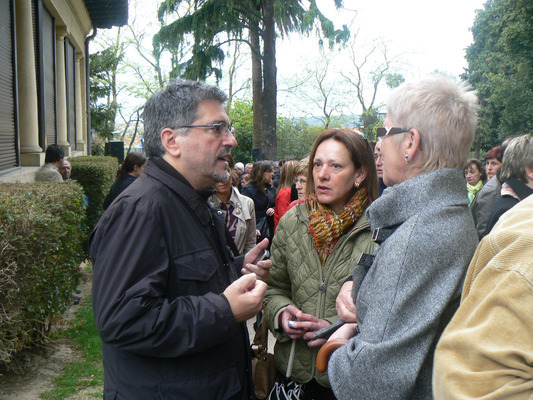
[{"x": 403, "y": 296}]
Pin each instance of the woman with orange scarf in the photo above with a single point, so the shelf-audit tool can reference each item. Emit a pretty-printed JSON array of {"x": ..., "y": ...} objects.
[{"x": 316, "y": 246}]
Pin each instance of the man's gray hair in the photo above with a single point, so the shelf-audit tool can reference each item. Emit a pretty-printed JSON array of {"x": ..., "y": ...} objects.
[
  {"x": 444, "y": 111},
  {"x": 518, "y": 155},
  {"x": 173, "y": 106}
]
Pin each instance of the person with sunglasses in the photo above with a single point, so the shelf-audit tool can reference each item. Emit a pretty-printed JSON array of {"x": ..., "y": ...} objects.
[
  {"x": 169, "y": 299},
  {"x": 404, "y": 294}
]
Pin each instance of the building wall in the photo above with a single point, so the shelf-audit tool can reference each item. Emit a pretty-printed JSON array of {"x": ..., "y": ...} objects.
[{"x": 72, "y": 22}]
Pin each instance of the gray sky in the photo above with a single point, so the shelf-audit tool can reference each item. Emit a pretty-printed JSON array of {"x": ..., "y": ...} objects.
[{"x": 428, "y": 35}]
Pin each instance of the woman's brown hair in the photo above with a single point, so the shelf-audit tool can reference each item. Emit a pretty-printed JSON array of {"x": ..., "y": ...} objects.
[
  {"x": 258, "y": 171},
  {"x": 479, "y": 166},
  {"x": 128, "y": 165}
]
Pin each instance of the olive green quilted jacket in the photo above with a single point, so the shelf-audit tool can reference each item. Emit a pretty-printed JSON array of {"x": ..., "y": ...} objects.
[{"x": 297, "y": 278}]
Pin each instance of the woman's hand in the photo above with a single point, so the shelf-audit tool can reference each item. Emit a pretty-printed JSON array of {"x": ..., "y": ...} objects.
[
  {"x": 270, "y": 211},
  {"x": 313, "y": 325},
  {"x": 297, "y": 324},
  {"x": 289, "y": 316},
  {"x": 345, "y": 304},
  {"x": 347, "y": 331}
]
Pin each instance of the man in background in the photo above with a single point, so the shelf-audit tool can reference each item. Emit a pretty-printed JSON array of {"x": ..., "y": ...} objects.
[
  {"x": 66, "y": 170},
  {"x": 239, "y": 168},
  {"x": 53, "y": 160},
  {"x": 379, "y": 166}
]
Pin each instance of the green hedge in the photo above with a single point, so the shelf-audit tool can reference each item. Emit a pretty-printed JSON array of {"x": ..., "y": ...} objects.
[
  {"x": 96, "y": 174},
  {"x": 42, "y": 234}
]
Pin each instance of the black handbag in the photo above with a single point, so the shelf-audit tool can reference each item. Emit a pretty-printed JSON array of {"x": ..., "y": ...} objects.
[
  {"x": 264, "y": 371},
  {"x": 263, "y": 227}
]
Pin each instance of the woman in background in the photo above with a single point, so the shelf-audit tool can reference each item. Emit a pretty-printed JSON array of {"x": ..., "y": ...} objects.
[
  {"x": 493, "y": 161},
  {"x": 283, "y": 198},
  {"x": 239, "y": 211},
  {"x": 260, "y": 190},
  {"x": 130, "y": 169},
  {"x": 475, "y": 178},
  {"x": 300, "y": 182},
  {"x": 516, "y": 175}
]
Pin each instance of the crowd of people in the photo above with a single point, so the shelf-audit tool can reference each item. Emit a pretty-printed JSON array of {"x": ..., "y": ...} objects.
[{"x": 366, "y": 244}]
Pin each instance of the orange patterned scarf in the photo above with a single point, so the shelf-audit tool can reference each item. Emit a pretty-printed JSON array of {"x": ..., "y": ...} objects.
[{"x": 327, "y": 227}]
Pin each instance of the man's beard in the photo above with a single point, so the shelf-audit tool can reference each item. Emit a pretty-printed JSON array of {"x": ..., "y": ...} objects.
[{"x": 222, "y": 177}]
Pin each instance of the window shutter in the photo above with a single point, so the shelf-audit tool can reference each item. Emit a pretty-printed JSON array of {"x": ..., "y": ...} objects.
[{"x": 8, "y": 138}]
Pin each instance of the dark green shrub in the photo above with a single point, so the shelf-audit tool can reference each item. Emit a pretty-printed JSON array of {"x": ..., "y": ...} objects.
[
  {"x": 42, "y": 233},
  {"x": 95, "y": 174}
]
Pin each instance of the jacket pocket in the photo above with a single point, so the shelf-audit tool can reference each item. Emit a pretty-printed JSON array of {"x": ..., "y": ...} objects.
[{"x": 198, "y": 265}]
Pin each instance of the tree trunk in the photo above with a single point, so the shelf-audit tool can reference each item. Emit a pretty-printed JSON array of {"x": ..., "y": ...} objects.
[
  {"x": 257, "y": 92},
  {"x": 269, "y": 147}
]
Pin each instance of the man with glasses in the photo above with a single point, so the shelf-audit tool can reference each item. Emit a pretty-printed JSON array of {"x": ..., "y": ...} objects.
[
  {"x": 167, "y": 297},
  {"x": 379, "y": 166}
]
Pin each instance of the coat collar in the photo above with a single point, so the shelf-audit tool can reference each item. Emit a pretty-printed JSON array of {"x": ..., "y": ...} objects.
[
  {"x": 426, "y": 192},
  {"x": 235, "y": 200},
  {"x": 162, "y": 171},
  {"x": 519, "y": 188}
]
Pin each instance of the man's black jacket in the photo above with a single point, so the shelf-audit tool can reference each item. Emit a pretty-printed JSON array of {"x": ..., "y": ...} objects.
[{"x": 160, "y": 267}]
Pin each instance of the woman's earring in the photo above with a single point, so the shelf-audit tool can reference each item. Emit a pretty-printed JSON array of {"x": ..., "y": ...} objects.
[
  {"x": 406, "y": 159},
  {"x": 356, "y": 185}
]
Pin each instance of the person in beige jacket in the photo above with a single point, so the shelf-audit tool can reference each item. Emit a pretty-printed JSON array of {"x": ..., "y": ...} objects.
[
  {"x": 53, "y": 160},
  {"x": 487, "y": 349},
  {"x": 237, "y": 210}
]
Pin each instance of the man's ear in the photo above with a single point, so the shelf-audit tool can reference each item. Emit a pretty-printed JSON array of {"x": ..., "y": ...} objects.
[{"x": 171, "y": 142}]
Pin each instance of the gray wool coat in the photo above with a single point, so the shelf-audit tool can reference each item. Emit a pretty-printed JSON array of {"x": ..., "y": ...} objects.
[{"x": 410, "y": 292}]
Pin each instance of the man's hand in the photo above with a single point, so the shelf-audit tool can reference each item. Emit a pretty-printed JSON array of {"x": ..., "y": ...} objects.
[
  {"x": 345, "y": 304},
  {"x": 245, "y": 296},
  {"x": 262, "y": 268}
]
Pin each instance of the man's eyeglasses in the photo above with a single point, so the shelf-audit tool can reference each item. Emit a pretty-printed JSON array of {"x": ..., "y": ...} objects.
[
  {"x": 221, "y": 128},
  {"x": 382, "y": 131}
]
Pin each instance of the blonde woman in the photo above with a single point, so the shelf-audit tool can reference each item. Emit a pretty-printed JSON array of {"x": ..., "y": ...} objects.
[{"x": 283, "y": 198}]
